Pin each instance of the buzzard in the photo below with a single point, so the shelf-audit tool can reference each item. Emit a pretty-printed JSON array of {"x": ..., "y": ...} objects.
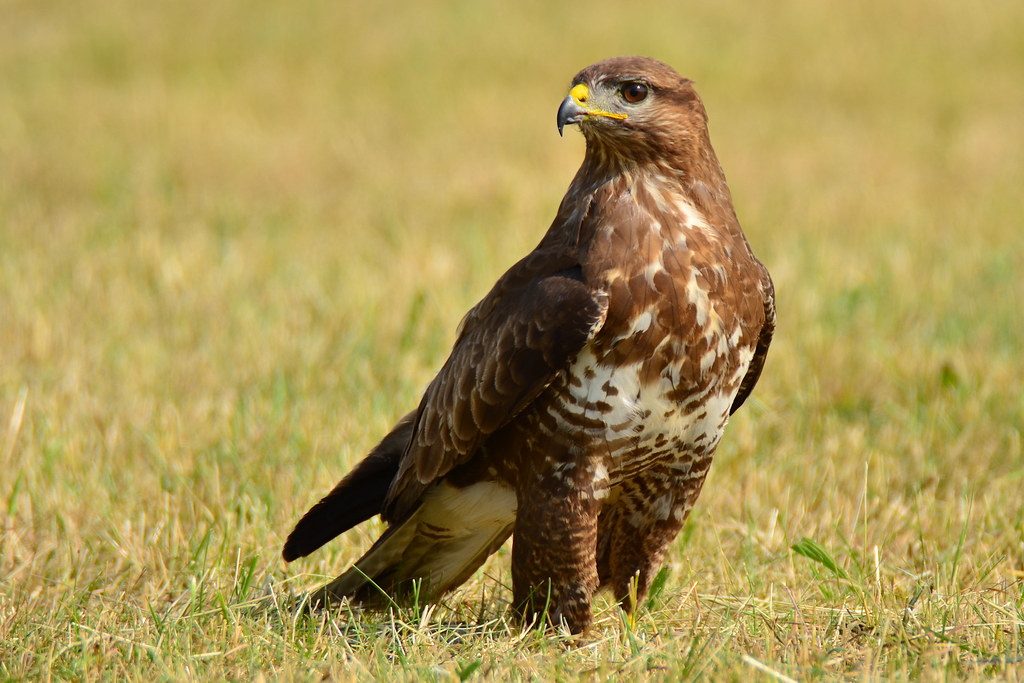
[{"x": 586, "y": 393}]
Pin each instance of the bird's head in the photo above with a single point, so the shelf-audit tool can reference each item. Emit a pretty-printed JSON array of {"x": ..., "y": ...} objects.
[{"x": 629, "y": 105}]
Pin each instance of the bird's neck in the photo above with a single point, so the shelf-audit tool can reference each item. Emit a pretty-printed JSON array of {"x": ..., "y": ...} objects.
[
  {"x": 607, "y": 176},
  {"x": 694, "y": 180}
]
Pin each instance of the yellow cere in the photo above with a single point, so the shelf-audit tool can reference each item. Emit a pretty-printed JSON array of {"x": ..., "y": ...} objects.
[{"x": 581, "y": 93}]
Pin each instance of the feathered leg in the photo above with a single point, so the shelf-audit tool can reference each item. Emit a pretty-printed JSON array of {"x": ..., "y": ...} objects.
[
  {"x": 634, "y": 534},
  {"x": 554, "y": 573}
]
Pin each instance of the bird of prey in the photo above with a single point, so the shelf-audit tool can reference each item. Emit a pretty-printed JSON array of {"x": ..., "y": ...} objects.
[{"x": 586, "y": 393}]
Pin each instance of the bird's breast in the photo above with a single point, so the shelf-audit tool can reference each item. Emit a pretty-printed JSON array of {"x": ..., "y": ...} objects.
[
  {"x": 657, "y": 382},
  {"x": 635, "y": 421}
]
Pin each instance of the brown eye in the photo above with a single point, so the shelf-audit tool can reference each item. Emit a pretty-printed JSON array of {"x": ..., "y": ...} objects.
[{"x": 634, "y": 92}]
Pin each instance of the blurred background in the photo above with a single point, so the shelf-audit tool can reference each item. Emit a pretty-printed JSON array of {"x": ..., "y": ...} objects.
[{"x": 236, "y": 239}]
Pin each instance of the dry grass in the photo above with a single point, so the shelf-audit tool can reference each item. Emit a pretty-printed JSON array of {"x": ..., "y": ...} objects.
[{"x": 235, "y": 241}]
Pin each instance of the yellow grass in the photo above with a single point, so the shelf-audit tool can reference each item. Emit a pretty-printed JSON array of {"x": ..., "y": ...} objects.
[{"x": 236, "y": 238}]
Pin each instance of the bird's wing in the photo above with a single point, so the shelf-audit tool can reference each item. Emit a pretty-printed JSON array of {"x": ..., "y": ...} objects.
[
  {"x": 510, "y": 347},
  {"x": 356, "y": 498},
  {"x": 764, "y": 339}
]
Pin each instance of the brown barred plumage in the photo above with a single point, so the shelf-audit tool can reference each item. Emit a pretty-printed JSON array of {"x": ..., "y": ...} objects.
[{"x": 587, "y": 392}]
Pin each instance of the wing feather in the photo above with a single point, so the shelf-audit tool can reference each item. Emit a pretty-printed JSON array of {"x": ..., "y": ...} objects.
[
  {"x": 510, "y": 348},
  {"x": 356, "y": 498},
  {"x": 764, "y": 339}
]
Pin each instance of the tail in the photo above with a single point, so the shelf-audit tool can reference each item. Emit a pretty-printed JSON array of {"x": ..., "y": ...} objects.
[
  {"x": 359, "y": 496},
  {"x": 439, "y": 545}
]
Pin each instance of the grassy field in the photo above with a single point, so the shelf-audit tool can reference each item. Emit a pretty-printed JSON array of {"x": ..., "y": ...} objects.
[{"x": 236, "y": 238}]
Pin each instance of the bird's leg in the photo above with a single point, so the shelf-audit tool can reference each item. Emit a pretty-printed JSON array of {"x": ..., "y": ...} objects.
[
  {"x": 637, "y": 560},
  {"x": 554, "y": 573},
  {"x": 635, "y": 534}
]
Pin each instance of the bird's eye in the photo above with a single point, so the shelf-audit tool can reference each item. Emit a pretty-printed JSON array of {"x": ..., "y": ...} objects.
[{"x": 634, "y": 92}]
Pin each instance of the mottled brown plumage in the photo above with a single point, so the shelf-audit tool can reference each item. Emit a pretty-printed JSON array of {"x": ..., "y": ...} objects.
[{"x": 587, "y": 392}]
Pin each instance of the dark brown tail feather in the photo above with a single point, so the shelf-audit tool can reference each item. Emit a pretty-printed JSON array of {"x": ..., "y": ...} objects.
[{"x": 356, "y": 498}]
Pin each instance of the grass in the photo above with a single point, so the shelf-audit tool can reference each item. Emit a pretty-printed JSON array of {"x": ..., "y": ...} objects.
[{"x": 235, "y": 241}]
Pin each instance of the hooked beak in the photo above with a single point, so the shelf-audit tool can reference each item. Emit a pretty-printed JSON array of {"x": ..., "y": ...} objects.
[{"x": 570, "y": 111}]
